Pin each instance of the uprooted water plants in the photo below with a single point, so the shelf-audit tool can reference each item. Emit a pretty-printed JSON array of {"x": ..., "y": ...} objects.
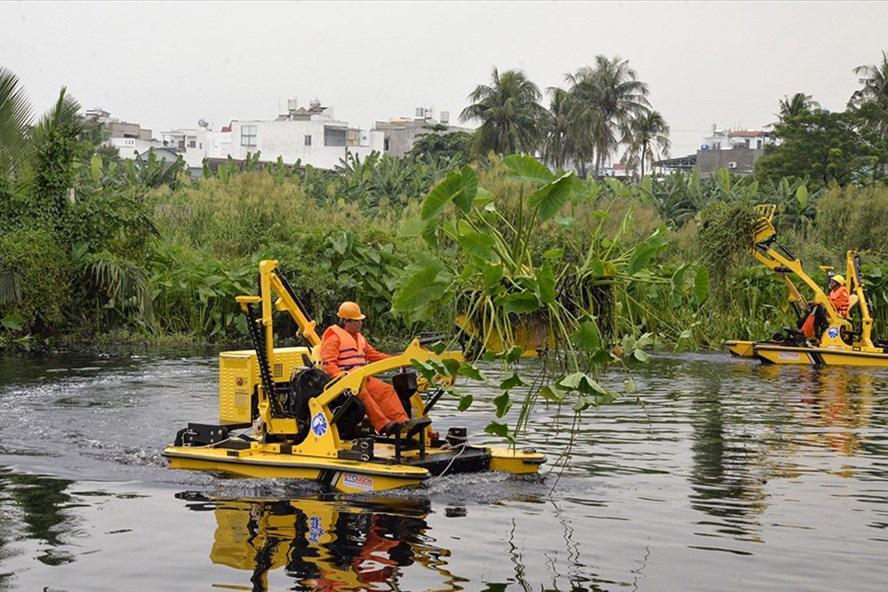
[{"x": 485, "y": 269}]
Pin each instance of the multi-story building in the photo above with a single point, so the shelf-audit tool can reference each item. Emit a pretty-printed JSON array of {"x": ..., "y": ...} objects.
[
  {"x": 735, "y": 150},
  {"x": 730, "y": 139},
  {"x": 130, "y": 139},
  {"x": 310, "y": 136},
  {"x": 399, "y": 134}
]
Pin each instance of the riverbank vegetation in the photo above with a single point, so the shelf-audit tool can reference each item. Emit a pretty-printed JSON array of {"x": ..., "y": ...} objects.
[{"x": 90, "y": 244}]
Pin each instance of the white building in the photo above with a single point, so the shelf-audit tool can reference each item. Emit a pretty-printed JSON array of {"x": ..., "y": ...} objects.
[
  {"x": 309, "y": 136},
  {"x": 729, "y": 139},
  {"x": 130, "y": 139}
]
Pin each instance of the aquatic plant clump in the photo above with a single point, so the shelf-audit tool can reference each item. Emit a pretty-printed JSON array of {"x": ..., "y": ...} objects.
[
  {"x": 509, "y": 301},
  {"x": 726, "y": 236}
]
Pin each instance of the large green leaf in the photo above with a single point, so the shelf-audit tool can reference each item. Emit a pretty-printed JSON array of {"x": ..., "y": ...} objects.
[
  {"x": 583, "y": 383},
  {"x": 527, "y": 169},
  {"x": 587, "y": 337},
  {"x": 678, "y": 284},
  {"x": 425, "y": 282},
  {"x": 471, "y": 371},
  {"x": 466, "y": 196},
  {"x": 552, "y": 393},
  {"x": 802, "y": 197},
  {"x": 499, "y": 429},
  {"x": 15, "y": 120},
  {"x": 340, "y": 243},
  {"x": 645, "y": 251},
  {"x": 618, "y": 187},
  {"x": 440, "y": 196},
  {"x": 492, "y": 274},
  {"x": 546, "y": 283},
  {"x": 483, "y": 197},
  {"x": 551, "y": 197},
  {"x": 701, "y": 284},
  {"x": 477, "y": 244},
  {"x": 511, "y": 382},
  {"x": 503, "y": 404},
  {"x": 13, "y": 322},
  {"x": 519, "y": 303}
]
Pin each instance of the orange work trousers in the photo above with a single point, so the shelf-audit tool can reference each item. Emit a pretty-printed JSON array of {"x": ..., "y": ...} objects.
[{"x": 382, "y": 403}]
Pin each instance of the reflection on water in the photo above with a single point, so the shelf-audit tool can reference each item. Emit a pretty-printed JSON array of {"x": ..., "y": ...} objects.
[
  {"x": 34, "y": 507},
  {"x": 760, "y": 477},
  {"x": 324, "y": 543},
  {"x": 342, "y": 543}
]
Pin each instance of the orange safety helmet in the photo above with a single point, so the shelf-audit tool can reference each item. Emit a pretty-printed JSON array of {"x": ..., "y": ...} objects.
[{"x": 350, "y": 311}]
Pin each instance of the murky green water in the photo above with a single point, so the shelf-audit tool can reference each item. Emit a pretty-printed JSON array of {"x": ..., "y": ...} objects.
[{"x": 729, "y": 476}]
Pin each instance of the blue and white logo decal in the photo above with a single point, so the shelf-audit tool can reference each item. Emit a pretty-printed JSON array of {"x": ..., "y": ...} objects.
[
  {"x": 833, "y": 332},
  {"x": 315, "y": 531},
  {"x": 319, "y": 424}
]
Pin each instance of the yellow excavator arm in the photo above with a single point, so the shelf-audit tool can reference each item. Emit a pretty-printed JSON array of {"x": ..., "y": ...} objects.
[{"x": 781, "y": 261}]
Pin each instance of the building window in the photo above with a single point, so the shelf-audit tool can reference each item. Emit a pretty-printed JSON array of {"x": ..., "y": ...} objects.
[
  {"x": 192, "y": 143},
  {"x": 248, "y": 135},
  {"x": 334, "y": 136},
  {"x": 385, "y": 145},
  {"x": 746, "y": 142},
  {"x": 308, "y": 139},
  {"x": 758, "y": 144}
]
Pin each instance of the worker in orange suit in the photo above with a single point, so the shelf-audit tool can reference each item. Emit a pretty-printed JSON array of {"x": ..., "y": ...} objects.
[
  {"x": 838, "y": 295},
  {"x": 344, "y": 348}
]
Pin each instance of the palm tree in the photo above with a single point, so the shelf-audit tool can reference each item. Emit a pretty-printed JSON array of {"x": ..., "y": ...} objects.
[
  {"x": 796, "y": 105},
  {"x": 15, "y": 119},
  {"x": 874, "y": 78},
  {"x": 608, "y": 96},
  {"x": 648, "y": 137},
  {"x": 510, "y": 112},
  {"x": 559, "y": 146}
]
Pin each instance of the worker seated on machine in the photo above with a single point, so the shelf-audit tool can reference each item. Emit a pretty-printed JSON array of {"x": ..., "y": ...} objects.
[
  {"x": 344, "y": 348},
  {"x": 815, "y": 323}
]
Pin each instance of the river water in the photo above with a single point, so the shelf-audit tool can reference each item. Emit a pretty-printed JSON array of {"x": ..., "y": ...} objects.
[{"x": 722, "y": 475}]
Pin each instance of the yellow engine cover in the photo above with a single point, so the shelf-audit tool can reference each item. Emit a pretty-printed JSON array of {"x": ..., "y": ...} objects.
[{"x": 239, "y": 375}]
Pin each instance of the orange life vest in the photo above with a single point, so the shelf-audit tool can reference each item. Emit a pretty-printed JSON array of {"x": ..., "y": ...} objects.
[
  {"x": 352, "y": 352},
  {"x": 840, "y": 300}
]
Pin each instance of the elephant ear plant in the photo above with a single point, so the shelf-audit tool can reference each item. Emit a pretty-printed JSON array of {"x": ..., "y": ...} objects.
[{"x": 508, "y": 299}]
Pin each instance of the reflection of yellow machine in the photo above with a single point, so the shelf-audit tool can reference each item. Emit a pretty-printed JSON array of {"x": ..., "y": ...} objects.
[
  {"x": 323, "y": 544},
  {"x": 839, "y": 343},
  {"x": 300, "y": 433}
]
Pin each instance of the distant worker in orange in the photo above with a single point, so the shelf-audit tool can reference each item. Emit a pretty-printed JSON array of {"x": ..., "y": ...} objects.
[
  {"x": 838, "y": 295},
  {"x": 344, "y": 348}
]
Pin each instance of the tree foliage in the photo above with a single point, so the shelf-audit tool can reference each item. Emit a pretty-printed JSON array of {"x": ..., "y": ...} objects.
[
  {"x": 828, "y": 147},
  {"x": 15, "y": 119},
  {"x": 510, "y": 114}
]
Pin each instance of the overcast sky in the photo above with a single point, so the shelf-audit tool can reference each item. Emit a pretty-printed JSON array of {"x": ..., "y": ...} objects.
[{"x": 166, "y": 65}]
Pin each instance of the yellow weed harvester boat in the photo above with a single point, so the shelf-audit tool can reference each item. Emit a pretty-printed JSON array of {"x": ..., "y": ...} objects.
[
  {"x": 300, "y": 424},
  {"x": 841, "y": 341}
]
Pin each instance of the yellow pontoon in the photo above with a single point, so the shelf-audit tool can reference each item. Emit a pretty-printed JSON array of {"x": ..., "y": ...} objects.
[
  {"x": 299, "y": 426},
  {"x": 840, "y": 341}
]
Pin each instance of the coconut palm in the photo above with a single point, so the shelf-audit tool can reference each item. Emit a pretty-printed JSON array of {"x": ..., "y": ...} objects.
[
  {"x": 510, "y": 113},
  {"x": 796, "y": 105},
  {"x": 647, "y": 136},
  {"x": 608, "y": 95},
  {"x": 874, "y": 78},
  {"x": 559, "y": 146},
  {"x": 15, "y": 118}
]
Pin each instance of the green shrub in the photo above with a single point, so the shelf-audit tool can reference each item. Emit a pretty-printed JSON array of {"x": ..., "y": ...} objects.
[
  {"x": 854, "y": 218},
  {"x": 34, "y": 281}
]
